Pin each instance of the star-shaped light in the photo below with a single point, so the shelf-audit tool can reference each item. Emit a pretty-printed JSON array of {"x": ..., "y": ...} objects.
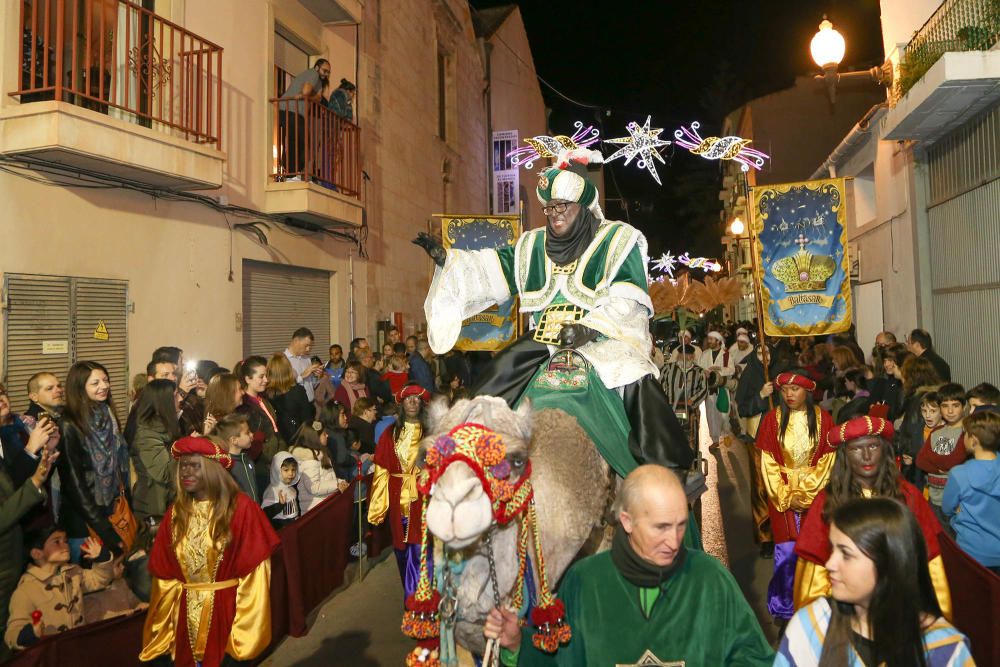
[
  {"x": 643, "y": 143},
  {"x": 665, "y": 264}
]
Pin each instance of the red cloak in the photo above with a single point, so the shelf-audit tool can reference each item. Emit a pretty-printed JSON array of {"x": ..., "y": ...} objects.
[{"x": 385, "y": 457}]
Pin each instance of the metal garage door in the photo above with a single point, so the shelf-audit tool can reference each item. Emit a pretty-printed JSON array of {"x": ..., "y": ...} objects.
[
  {"x": 277, "y": 300},
  {"x": 964, "y": 220},
  {"x": 53, "y": 321}
]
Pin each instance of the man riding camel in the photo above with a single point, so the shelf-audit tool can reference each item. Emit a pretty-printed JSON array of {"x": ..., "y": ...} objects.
[{"x": 584, "y": 281}]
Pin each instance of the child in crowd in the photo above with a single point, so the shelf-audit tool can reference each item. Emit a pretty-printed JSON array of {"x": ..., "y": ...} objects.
[
  {"x": 115, "y": 600},
  {"x": 390, "y": 413},
  {"x": 944, "y": 448},
  {"x": 972, "y": 495},
  {"x": 281, "y": 500},
  {"x": 397, "y": 372},
  {"x": 233, "y": 434},
  {"x": 983, "y": 396},
  {"x": 930, "y": 410},
  {"x": 319, "y": 480},
  {"x": 49, "y": 596}
]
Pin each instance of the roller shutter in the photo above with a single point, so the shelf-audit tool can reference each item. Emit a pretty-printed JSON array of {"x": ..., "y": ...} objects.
[
  {"x": 50, "y": 322},
  {"x": 277, "y": 300}
]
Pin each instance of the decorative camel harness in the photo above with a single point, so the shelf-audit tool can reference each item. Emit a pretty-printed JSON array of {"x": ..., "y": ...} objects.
[{"x": 485, "y": 453}]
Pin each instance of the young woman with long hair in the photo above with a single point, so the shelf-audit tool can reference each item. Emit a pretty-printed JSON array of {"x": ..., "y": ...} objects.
[
  {"x": 290, "y": 401},
  {"x": 211, "y": 567},
  {"x": 223, "y": 396},
  {"x": 882, "y": 610},
  {"x": 795, "y": 462},
  {"x": 261, "y": 415},
  {"x": 157, "y": 428},
  {"x": 864, "y": 467},
  {"x": 94, "y": 467}
]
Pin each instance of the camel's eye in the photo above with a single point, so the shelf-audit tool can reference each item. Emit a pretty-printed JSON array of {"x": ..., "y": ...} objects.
[{"x": 517, "y": 461}]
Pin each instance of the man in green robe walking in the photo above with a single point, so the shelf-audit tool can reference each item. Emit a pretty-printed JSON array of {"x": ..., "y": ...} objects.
[{"x": 648, "y": 601}]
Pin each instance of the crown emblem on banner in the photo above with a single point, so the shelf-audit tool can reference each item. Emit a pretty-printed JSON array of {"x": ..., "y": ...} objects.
[{"x": 804, "y": 271}]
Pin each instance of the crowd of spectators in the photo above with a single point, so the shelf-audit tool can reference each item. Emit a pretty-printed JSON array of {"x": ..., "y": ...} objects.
[{"x": 82, "y": 495}]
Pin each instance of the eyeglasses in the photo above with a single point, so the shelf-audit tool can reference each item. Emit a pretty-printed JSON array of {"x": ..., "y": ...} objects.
[{"x": 555, "y": 208}]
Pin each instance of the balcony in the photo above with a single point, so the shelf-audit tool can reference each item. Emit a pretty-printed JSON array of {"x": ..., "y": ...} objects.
[
  {"x": 948, "y": 72},
  {"x": 113, "y": 89},
  {"x": 316, "y": 165}
]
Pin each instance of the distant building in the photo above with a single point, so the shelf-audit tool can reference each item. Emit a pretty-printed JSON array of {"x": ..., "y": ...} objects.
[{"x": 154, "y": 187}]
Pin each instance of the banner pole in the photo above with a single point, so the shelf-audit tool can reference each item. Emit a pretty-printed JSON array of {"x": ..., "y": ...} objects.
[{"x": 758, "y": 296}]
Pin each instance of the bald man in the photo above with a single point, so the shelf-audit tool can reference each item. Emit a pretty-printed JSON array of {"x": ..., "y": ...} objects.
[{"x": 648, "y": 594}]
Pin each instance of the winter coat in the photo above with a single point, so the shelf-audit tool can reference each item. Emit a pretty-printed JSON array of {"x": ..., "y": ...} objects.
[
  {"x": 293, "y": 410},
  {"x": 315, "y": 481},
  {"x": 15, "y": 503},
  {"x": 58, "y": 594},
  {"x": 244, "y": 472},
  {"x": 154, "y": 468},
  {"x": 78, "y": 507},
  {"x": 972, "y": 504}
]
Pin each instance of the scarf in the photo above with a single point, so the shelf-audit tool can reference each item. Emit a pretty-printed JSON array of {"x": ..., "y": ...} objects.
[
  {"x": 566, "y": 249},
  {"x": 637, "y": 570},
  {"x": 354, "y": 390},
  {"x": 104, "y": 445}
]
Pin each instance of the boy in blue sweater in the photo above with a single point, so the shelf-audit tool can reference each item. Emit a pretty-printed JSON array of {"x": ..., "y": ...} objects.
[{"x": 971, "y": 498}]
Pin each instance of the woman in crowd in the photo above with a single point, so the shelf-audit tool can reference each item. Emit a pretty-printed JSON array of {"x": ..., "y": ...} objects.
[
  {"x": 94, "y": 467},
  {"x": 883, "y": 609},
  {"x": 352, "y": 387},
  {"x": 261, "y": 415},
  {"x": 892, "y": 394},
  {"x": 211, "y": 567},
  {"x": 291, "y": 404},
  {"x": 319, "y": 479},
  {"x": 863, "y": 467},
  {"x": 157, "y": 429},
  {"x": 843, "y": 359},
  {"x": 223, "y": 396},
  {"x": 857, "y": 397},
  {"x": 795, "y": 464}
]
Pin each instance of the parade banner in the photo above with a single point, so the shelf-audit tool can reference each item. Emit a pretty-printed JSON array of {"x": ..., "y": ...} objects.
[
  {"x": 803, "y": 268},
  {"x": 496, "y": 327}
]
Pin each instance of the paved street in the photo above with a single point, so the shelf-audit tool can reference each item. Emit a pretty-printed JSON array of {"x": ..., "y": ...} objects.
[{"x": 359, "y": 626}]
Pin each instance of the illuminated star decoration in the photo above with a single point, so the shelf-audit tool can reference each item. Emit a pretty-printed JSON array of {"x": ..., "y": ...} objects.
[
  {"x": 703, "y": 263},
  {"x": 720, "y": 148},
  {"x": 643, "y": 143},
  {"x": 665, "y": 264},
  {"x": 544, "y": 146}
]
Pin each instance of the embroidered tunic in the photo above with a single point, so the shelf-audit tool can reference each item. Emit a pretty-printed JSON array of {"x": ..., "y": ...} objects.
[
  {"x": 394, "y": 487},
  {"x": 209, "y": 599}
]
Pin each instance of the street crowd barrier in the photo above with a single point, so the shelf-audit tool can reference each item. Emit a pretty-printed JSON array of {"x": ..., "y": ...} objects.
[
  {"x": 306, "y": 568},
  {"x": 975, "y": 601}
]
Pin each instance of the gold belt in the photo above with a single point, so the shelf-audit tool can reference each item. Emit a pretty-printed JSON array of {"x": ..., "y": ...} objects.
[
  {"x": 552, "y": 320},
  {"x": 211, "y": 585}
]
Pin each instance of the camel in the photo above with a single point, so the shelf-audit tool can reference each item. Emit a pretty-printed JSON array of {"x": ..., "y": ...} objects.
[{"x": 573, "y": 489}]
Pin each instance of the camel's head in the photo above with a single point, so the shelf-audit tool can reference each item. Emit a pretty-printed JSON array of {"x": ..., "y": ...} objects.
[{"x": 477, "y": 453}]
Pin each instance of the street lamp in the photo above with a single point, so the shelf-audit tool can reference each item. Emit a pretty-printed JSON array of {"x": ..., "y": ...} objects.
[
  {"x": 827, "y": 48},
  {"x": 737, "y": 227}
]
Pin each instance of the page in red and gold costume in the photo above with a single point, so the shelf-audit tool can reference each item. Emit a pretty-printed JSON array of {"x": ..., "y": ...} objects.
[{"x": 207, "y": 602}]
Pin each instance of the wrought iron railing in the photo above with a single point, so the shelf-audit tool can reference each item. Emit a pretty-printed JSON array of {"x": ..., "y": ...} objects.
[
  {"x": 957, "y": 25},
  {"x": 117, "y": 58},
  {"x": 312, "y": 143}
]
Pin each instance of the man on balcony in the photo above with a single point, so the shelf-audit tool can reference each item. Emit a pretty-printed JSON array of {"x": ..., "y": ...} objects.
[{"x": 306, "y": 87}]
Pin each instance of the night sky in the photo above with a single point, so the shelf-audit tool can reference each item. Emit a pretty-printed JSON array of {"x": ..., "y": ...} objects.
[{"x": 678, "y": 61}]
